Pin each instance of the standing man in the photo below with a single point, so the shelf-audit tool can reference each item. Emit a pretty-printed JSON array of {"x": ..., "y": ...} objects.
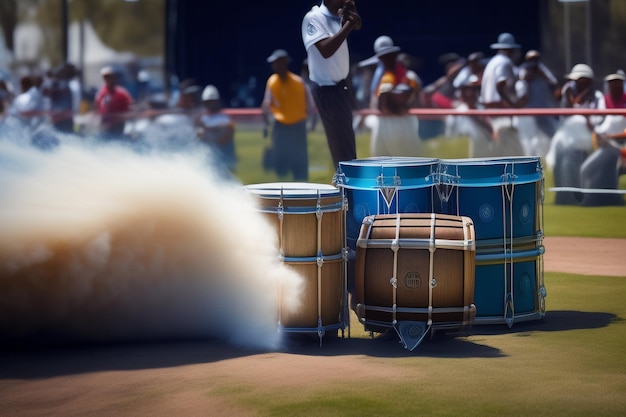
[
  {"x": 325, "y": 30},
  {"x": 498, "y": 92},
  {"x": 112, "y": 103},
  {"x": 288, "y": 100}
]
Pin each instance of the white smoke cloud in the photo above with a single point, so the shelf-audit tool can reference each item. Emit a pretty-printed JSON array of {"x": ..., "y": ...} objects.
[{"x": 103, "y": 243}]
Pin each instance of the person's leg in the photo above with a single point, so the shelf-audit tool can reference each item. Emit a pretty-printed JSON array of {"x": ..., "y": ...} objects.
[
  {"x": 299, "y": 155},
  {"x": 281, "y": 148},
  {"x": 335, "y": 110}
]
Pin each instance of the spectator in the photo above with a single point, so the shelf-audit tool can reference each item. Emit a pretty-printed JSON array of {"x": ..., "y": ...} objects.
[
  {"x": 112, "y": 102},
  {"x": 394, "y": 131},
  {"x": 288, "y": 102},
  {"x": 325, "y": 30},
  {"x": 176, "y": 129},
  {"x": 477, "y": 128},
  {"x": 536, "y": 88},
  {"x": 29, "y": 106},
  {"x": 498, "y": 92},
  {"x": 572, "y": 142},
  {"x": 602, "y": 168},
  {"x": 62, "y": 104},
  {"x": 216, "y": 129},
  {"x": 475, "y": 66},
  {"x": 615, "y": 97},
  {"x": 440, "y": 93}
]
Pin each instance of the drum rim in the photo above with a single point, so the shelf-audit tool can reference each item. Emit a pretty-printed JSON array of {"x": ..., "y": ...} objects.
[
  {"x": 293, "y": 189},
  {"x": 390, "y": 161}
]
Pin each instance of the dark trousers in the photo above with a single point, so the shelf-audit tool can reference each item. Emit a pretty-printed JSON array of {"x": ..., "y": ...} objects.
[{"x": 335, "y": 105}]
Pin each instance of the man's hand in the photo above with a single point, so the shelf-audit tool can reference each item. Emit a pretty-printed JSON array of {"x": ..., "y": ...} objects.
[{"x": 349, "y": 14}]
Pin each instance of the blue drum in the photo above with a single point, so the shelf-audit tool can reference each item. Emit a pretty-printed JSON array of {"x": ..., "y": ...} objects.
[
  {"x": 508, "y": 282},
  {"x": 504, "y": 196},
  {"x": 385, "y": 185}
]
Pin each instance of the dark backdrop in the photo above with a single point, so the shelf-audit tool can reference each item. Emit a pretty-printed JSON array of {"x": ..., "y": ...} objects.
[{"x": 226, "y": 44}]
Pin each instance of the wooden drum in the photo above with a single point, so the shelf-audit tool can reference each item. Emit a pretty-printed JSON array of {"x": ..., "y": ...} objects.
[
  {"x": 308, "y": 219},
  {"x": 414, "y": 272}
]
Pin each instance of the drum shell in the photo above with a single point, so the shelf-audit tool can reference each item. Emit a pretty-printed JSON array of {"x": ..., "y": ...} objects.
[
  {"x": 308, "y": 221},
  {"x": 297, "y": 209},
  {"x": 516, "y": 270},
  {"x": 453, "y": 270},
  {"x": 385, "y": 185},
  {"x": 502, "y": 195},
  {"x": 330, "y": 294}
]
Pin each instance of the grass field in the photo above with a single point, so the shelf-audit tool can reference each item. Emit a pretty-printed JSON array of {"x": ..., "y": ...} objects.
[
  {"x": 559, "y": 220},
  {"x": 571, "y": 364}
]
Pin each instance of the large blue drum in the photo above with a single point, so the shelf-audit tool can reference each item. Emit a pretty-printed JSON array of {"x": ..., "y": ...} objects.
[
  {"x": 385, "y": 185},
  {"x": 504, "y": 196}
]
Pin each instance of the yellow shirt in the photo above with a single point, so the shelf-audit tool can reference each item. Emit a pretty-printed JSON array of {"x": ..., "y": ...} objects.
[{"x": 287, "y": 99}]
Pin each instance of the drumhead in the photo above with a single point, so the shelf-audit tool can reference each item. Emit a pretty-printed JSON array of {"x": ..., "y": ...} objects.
[
  {"x": 490, "y": 171},
  {"x": 386, "y": 171},
  {"x": 292, "y": 190}
]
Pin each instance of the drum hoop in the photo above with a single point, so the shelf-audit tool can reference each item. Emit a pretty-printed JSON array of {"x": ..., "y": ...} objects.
[
  {"x": 314, "y": 259},
  {"x": 332, "y": 208}
]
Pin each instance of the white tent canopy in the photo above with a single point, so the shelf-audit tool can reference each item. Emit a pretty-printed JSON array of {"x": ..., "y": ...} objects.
[{"x": 95, "y": 54}]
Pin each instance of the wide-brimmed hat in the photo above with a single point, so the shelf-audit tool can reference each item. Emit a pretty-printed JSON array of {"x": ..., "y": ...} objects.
[
  {"x": 580, "y": 71},
  {"x": 505, "y": 41},
  {"x": 388, "y": 50},
  {"x": 279, "y": 53},
  {"x": 383, "y": 45}
]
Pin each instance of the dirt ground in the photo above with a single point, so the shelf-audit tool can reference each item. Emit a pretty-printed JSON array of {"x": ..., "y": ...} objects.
[
  {"x": 585, "y": 256},
  {"x": 187, "y": 378}
]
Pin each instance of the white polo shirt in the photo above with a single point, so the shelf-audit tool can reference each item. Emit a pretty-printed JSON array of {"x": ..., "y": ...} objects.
[
  {"x": 499, "y": 68},
  {"x": 320, "y": 24}
]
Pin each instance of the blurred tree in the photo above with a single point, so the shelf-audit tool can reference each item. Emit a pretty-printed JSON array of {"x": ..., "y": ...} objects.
[{"x": 137, "y": 26}]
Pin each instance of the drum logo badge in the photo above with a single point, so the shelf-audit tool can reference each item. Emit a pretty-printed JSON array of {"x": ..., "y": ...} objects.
[
  {"x": 412, "y": 280},
  {"x": 486, "y": 212}
]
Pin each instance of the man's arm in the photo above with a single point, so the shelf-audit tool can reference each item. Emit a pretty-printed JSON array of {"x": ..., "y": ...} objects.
[{"x": 351, "y": 21}]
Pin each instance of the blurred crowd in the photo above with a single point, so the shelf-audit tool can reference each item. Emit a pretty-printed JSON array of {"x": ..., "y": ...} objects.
[
  {"x": 576, "y": 147},
  {"x": 44, "y": 108},
  {"x": 585, "y": 151}
]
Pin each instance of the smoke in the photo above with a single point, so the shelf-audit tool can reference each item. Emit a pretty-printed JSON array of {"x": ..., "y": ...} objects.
[{"x": 101, "y": 242}]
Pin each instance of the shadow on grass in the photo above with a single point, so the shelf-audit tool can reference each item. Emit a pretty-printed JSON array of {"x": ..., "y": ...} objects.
[
  {"x": 388, "y": 345},
  {"x": 451, "y": 344},
  {"x": 40, "y": 361},
  {"x": 554, "y": 321}
]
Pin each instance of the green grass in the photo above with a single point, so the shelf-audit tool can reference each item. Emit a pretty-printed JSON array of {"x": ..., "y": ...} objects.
[
  {"x": 558, "y": 220},
  {"x": 570, "y": 364}
]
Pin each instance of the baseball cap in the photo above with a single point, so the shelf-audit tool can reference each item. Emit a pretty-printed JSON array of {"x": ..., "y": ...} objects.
[
  {"x": 615, "y": 76},
  {"x": 279, "y": 53},
  {"x": 210, "y": 93}
]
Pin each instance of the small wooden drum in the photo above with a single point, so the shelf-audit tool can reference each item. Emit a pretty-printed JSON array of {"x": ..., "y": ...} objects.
[
  {"x": 415, "y": 271},
  {"x": 308, "y": 219}
]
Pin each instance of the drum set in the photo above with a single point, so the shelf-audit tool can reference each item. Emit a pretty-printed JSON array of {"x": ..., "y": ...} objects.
[{"x": 413, "y": 244}]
